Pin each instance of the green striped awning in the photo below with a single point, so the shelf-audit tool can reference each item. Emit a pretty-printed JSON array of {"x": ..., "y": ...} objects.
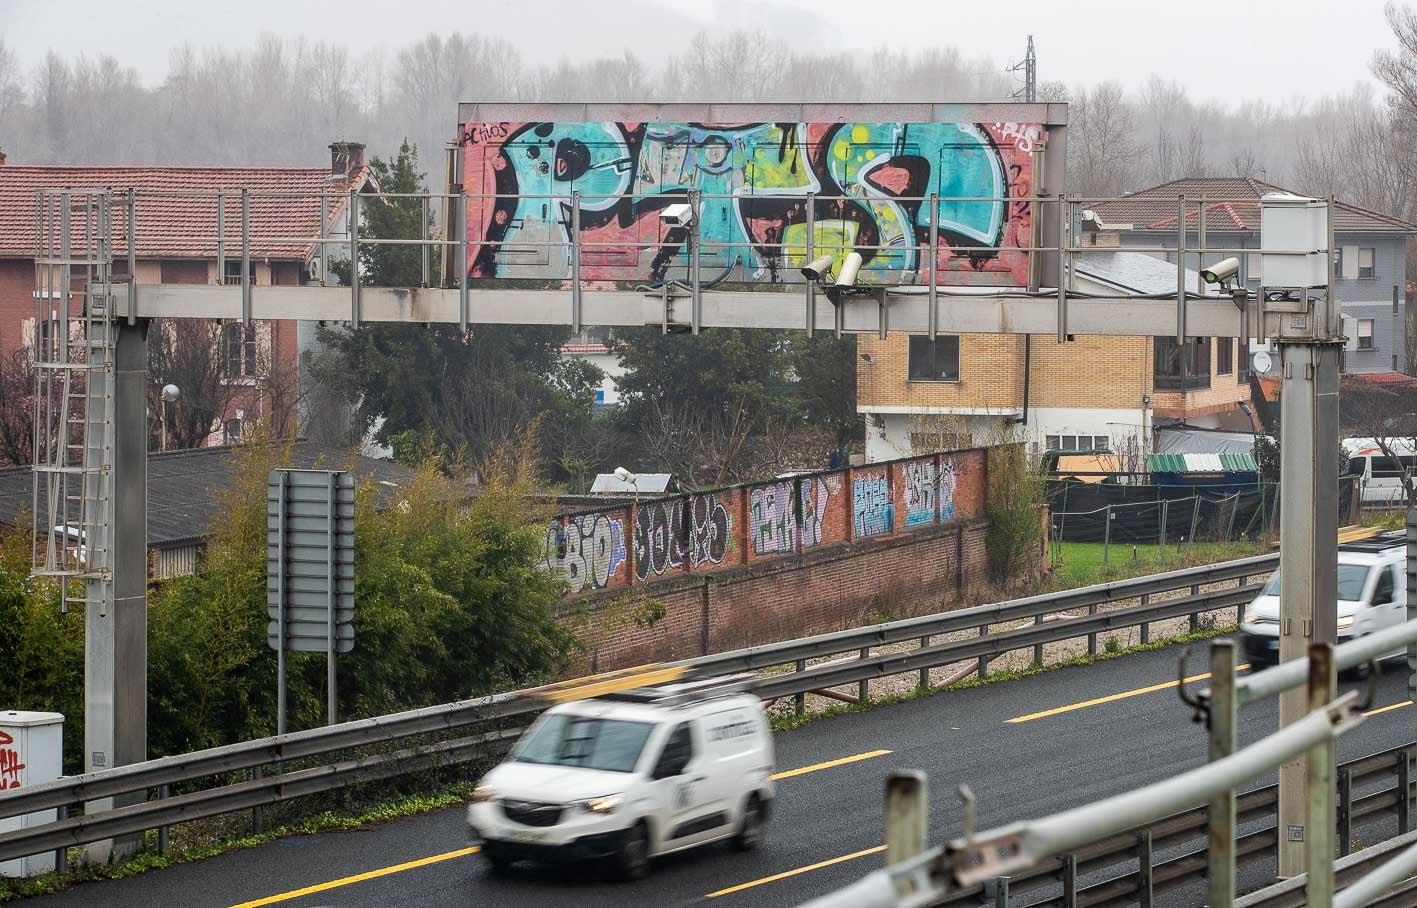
[{"x": 1200, "y": 463}]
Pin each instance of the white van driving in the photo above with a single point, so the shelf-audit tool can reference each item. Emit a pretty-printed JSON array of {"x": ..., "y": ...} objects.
[
  {"x": 629, "y": 776},
  {"x": 1372, "y": 595}
]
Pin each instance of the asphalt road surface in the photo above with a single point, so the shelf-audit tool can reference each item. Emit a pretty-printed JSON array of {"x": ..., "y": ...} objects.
[{"x": 1077, "y": 735}]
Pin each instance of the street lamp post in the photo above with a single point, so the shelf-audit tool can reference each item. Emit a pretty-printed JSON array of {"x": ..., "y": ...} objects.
[{"x": 170, "y": 395}]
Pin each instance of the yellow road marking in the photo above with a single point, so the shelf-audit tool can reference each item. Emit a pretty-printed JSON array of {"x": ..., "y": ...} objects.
[
  {"x": 828, "y": 765},
  {"x": 800, "y": 870},
  {"x": 359, "y": 877},
  {"x": 1387, "y": 709},
  {"x": 1111, "y": 697}
]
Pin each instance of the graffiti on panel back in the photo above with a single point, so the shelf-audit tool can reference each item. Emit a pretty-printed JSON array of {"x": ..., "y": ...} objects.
[
  {"x": 586, "y": 550},
  {"x": 670, "y": 533},
  {"x": 929, "y": 495},
  {"x": 773, "y": 513},
  {"x": 872, "y": 510},
  {"x": 627, "y": 172}
]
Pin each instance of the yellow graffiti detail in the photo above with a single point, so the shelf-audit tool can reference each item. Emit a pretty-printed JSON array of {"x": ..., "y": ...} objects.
[
  {"x": 859, "y": 133},
  {"x": 829, "y": 237},
  {"x": 839, "y": 149}
]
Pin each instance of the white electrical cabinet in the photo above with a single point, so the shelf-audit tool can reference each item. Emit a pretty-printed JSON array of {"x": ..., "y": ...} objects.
[
  {"x": 31, "y": 752},
  {"x": 1292, "y": 224}
]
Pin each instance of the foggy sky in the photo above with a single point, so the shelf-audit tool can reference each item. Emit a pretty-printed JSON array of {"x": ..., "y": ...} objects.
[{"x": 1270, "y": 50}]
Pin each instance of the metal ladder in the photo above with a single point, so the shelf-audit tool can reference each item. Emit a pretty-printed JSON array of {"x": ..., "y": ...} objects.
[{"x": 73, "y": 408}]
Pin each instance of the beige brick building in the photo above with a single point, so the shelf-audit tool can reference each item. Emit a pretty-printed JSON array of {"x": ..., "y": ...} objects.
[{"x": 1094, "y": 391}]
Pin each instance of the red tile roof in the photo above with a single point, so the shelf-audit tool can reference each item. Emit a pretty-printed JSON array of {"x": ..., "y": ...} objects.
[
  {"x": 177, "y": 207},
  {"x": 1381, "y": 378},
  {"x": 1232, "y": 203}
]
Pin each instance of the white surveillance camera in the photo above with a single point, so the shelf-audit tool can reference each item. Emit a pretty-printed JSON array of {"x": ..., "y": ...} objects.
[
  {"x": 624, "y": 475},
  {"x": 678, "y": 215},
  {"x": 1222, "y": 272},
  {"x": 818, "y": 268},
  {"x": 850, "y": 266}
]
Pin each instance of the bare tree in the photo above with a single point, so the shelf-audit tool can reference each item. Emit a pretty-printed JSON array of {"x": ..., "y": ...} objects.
[
  {"x": 1386, "y": 413},
  {"x": 1103, "y": 150},
  {"x": 16, "y": 409}
]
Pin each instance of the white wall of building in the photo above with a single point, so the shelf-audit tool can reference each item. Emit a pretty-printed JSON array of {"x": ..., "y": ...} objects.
[{"x": 888, "y": 435}]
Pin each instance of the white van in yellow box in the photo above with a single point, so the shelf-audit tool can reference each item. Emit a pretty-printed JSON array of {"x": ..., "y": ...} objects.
[{"x": 630, "y": 776}]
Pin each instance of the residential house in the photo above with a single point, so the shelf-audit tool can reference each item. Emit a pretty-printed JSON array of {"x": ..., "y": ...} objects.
[
  {"x": 177, "y": 226},
  {"x": 593, "y": 347},
  {"x": 1092, "y": 392},
  {"x": 1369, "y": 254}
]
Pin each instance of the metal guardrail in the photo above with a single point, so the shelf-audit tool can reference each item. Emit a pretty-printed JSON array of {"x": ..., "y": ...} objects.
[{"x": 261, "y": 788}]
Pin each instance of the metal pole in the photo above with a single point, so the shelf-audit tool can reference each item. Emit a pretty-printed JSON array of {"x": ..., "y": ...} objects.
[
  {"x": 1063, "y": 226},
  {"x": 132, "y": 256},
  {"x": 464, "y": 309},
  {"x": 997, "y": 891},
  {"x": 983, "y": 667},
  {"x": 220, "y": 237},
  {"x": 934, "y": 319},
  {"x": 575, "y": 261},
  {"x": 427, "y": 250},
  {"x": 353, "y": 259},
  {"x": 924, "y": 672},
  {"x": 324, "y": 232},
  {"x": 1220, "y": 817},
  {"x": 907, "y": 815},
  {"x": 1144, "y": 865},
  {"x": 245, "y": 256},
  {"x": 810, "y": 256},
  {"x": 1308, "y": 561},
  {"x": 1323, "y": 687},
  {"x": 281, "y": 492},
  {"x": 1106, "y": 534},
  {"x": 863, "y": 687},
  {"x": 1195, "y": 518},
  {"x": 1165, "y": 505},
  {"x": 331, "y": 579},
  {"x": 695, "y": 277},
  {"x": 1345, "y": 812},
  {"x": 1181, "y": 277},
  {"x": 799, "y": 701}
]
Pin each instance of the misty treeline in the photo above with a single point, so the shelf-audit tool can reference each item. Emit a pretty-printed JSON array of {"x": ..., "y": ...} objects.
[{"x": 283, "y": 101}]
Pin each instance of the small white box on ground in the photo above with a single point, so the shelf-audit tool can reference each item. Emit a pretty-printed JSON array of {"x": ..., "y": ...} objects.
[{"x": 31, "y": 752}]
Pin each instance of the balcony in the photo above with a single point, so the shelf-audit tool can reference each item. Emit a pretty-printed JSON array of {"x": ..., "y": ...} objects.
[{"x": 1181, "y": 382}]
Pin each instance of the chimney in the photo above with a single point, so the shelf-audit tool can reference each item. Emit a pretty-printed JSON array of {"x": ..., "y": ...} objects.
[
  {"x": 2, "y": 159},
  {"x": 346, "y": 158}
]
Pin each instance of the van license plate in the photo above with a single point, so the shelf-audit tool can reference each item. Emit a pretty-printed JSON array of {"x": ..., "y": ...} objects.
[{"x": 518, "y": 835}]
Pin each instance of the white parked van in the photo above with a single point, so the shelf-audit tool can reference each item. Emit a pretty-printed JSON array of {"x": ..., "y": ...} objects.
[
  {"x": 1372, "y": 595},
  {"x": 628, "y": 776},
  {"x": 1380, "y": 475}
]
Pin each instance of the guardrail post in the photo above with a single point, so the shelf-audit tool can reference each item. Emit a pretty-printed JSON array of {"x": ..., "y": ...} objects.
[
  {"x": 924, "y": 672},
  {"x": 863, "y": 687},
  {"x": 162, "y": 793},
  {"x": 61, "y": 854},
  {"x": 1092, "y": 638},
  {"x": 1345, "y": 812},
  {"x": 1220, "y": 816},
  {"x": 1195, "y": 618},
  {"x": 983, "y": 660},
  {"x": 997, "y": 890},
  {"x": 1404, "y": 786},
  {"x": 1037, "y": 647},
  {"x": 1323, "y": 685},
  {"x": 1145, "y": 625},
  {"x": 799, "y": 701},
  {"x": 258, "y": 812},
  {"x": 907, "y": 815},
  {"x": 1144, "y": 867},
  {"x": 1070, "y": 880}
]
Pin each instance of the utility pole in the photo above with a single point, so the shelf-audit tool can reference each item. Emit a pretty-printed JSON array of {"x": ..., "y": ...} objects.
[
  {"x": 1029, "y": 66},
  {"x": 1308, "y": 332}
]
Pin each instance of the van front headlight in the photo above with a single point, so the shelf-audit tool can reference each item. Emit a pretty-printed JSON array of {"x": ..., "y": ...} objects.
[
  {"x": 1345, "y": 622},
  {"x": 1250, "y": 615},
  {"x": 605, "y": 804},
  {"x": 483, "y": 793}
]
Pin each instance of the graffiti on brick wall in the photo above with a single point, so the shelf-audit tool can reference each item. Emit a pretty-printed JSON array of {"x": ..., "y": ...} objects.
[
  {"x": 586, "y": 550},
  {"x": 872, "y": 510},
  {"x": 773, "y": 514},
  {"x": 694, "y": 529},
  {"x": 946, "y": 485},
  {"x": 626, "y": 172},
  {"x": 920, "y": 493}
]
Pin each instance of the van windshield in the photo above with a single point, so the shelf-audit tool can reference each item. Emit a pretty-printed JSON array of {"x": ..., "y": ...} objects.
[
  {"x": 564, "y": 739},
  {"x": 1352, "y": 578}
]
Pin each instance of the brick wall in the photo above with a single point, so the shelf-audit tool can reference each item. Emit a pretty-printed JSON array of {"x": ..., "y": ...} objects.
[
  {"x": 770, "y": 561},
  {"x": 990, "y": 374},
  {"x": 833, "y": 588}
]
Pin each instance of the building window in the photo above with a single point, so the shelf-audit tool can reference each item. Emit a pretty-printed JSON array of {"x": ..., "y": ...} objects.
[
  {"x": 1224, "y": 356},
  {"x": 1365, "y": 334},
  {"x": 1252, "y": 266},
  {"x": 1365, "y": 262},
  {"x": 1077, "y": 442},
  {"x": 936, "y": 360},
  {"x": 232, "y": 274},
  {"x": 1181, "y": 367},
  {"x": 239, "y": 351},
  {"x": 232, "y": 431}
]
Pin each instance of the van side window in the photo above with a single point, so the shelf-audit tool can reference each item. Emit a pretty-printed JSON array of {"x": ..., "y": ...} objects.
[
  {"x": 1386, "y": 468},
  {"x": 677, "y": 753},
  {"x": 1383, "y": 592}
]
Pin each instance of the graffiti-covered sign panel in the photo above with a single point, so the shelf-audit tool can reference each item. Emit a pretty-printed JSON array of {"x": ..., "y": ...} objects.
[{"x": 755, "y": 179}]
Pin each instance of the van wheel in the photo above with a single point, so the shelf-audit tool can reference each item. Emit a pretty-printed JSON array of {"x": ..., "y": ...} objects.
[
  {"x": 750, "y": 828},
  {"x": 498, "y": 864},
  {"x": 633, "y": 859}
]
